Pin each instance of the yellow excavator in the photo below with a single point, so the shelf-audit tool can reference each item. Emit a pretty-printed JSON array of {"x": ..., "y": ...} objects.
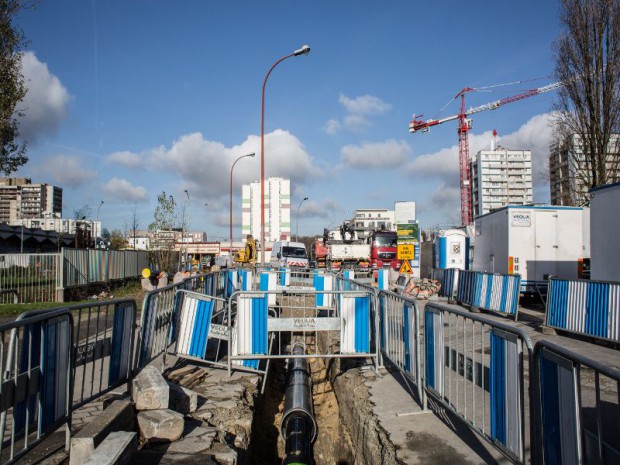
[{"x": 247, "y": 256}]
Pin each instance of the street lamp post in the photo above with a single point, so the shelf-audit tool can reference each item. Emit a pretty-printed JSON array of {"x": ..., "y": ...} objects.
[
  {"x": 297, "y": 229},
  {"x": 231, "y": 196},
  {"x": 304, "y": 50},
  {"x": 97, "y": 223}
]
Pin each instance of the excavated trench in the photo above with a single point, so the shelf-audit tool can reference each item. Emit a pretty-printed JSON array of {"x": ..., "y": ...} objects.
[{"x": 333, "y": 444}]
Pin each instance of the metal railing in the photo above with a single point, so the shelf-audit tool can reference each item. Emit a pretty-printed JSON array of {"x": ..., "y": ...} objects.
[
  {"x": 474, "y": 366},
  {"x": 448, "y": 278},
  {"x": 498, "y": 293},
  {"x": 35, "y": 387},
  {"x": 575, "y": 407},
  {"x": 401, "y": 337},
  {"x": 35, "y": 277},
  {"x": 589, "y": 308}
]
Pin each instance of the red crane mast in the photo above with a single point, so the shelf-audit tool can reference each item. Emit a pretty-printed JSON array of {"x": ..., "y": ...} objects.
[{"x": 464, "y": 125}]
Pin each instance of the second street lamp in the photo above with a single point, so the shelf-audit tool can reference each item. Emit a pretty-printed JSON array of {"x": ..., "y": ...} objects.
[
  {"x": 297, "y": 229},
  {"x": 304, "y": 50},
  {"x": 231, "y": 197}
]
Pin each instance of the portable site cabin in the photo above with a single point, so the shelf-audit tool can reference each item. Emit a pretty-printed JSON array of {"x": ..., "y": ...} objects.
[
  {"x": 451, "y": 249},
  {"x": 533, "y": 241},
  {"x": 604, "y": 228}
]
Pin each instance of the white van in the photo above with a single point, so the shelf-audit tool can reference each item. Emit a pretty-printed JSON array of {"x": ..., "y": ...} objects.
[{"x": 289, "y": 254}]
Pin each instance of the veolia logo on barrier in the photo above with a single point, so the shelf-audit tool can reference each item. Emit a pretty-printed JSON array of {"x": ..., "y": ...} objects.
[{"x": 521, "y": 219}]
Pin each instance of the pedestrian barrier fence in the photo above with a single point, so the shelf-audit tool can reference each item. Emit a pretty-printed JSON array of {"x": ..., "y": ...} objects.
[
  {"x": 103, "y": 347},
  {"x": 321, "y": 283},
  {"x": 576, "y": 407},
  {"x": 590, "y": 308},
  {"x": 494, "y": 292},
  {"x": 200, "y": 329},
  {"x": 35, "y": 382},
  {"x": 383, "y": 280},
  {"x": 155, "y": 323},
  {"x": 400, "y": 336},
  {"x": 449, "y": 278},
  {"x": 9, "y": 292},
  {"x": 474, "y": 367},
  {"x": 341, "y": 328}
]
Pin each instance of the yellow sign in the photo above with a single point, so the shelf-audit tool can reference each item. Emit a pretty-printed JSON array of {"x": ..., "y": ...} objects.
[
  {"x": 405, "y": 252},
  {"x": 405, "y": 267}
]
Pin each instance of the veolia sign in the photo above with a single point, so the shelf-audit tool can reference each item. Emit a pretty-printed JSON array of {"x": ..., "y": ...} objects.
[{"x": 521, "y": 219}]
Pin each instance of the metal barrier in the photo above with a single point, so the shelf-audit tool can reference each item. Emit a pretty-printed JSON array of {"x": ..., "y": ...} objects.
[
  {"x": 400, "y": 337},
  {"x": 35, "y": 387},
  {"x": 103, "y": 347},
  {"x": 575, "y": 407},
  {"x": 486, "y": 291},
  {"x": 334, "y": 326},
  {"x": 155, "y": 322},
  {"x": 474, "y": 367},
  {"x": 590, "y": 308},
  {"x": 13, "y": 292},
  {"x": 35, "y": 277},
  {"x": 200, "y": 329},
  {"x": 449, "y": 278}
]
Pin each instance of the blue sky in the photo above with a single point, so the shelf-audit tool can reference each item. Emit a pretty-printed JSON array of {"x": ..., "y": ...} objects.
[{"x": 130, "y": 98}]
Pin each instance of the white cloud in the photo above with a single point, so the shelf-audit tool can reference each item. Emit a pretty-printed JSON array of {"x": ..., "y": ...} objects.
[
  {"x": 444, "y": 202},
  {"x": 126, "y": 159},
  {"x": 122, "y": 190},
  {"x": 45, "y": 104},
  {"x": 324, "y": 209},
  {"x": 64, "y": 171},
  {"x": 364, "y": 105},
  {"x": 203, "y": 166},
  {"x": 389, "y": 154},
  {"x": 331, "y": 127},
  {"x": 359, "y": 110}
]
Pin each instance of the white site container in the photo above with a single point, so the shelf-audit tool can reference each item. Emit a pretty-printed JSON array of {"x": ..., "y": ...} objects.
[
  {"x": 604, "y": 227},
  {"x": 534, "y": 241}
]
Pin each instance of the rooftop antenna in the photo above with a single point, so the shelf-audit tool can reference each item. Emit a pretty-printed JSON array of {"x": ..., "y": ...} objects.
[{"x": 494, "y": 142}]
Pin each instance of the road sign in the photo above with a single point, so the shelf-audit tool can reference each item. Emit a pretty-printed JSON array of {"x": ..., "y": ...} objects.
[
  {"x": 405, "y": 267},
  {"x": 405, "y": 252}
]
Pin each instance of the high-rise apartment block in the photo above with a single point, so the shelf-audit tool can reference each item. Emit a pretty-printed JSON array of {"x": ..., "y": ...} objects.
[
  {"x": 277, "y": 209},
  {"x": 501, "y": 177},
  {"x": 569, "y": 176},
  {"x": 21, "y": 199}
]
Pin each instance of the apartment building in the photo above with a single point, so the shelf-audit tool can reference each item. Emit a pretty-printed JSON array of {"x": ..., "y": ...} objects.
[
  {"x": 501, "y": 177},
  {"x": 569, "y": 179},
  {"x": 277, "y": 210},
  {"x": 367, "y": 220},
  {"x": 21, "y": 199}
]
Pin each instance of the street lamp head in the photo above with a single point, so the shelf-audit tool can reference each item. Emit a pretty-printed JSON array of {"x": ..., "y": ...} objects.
[
  {"x": 251, "y": 154},
  {"x": 304, "y": 50},
  {"x": 305, "y": 198}
]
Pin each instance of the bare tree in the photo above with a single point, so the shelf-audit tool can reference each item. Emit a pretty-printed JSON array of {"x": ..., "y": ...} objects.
[
  {"x": 587, "y": 61},
  {"x": 132, "y": 226},
  {"x": 165, "y": 218}
]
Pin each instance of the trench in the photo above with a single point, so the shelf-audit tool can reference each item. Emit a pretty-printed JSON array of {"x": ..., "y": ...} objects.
[{"x": 332, "y": 445}]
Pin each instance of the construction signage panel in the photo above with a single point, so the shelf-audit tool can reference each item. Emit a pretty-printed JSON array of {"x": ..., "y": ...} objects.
[
  {"x": 405, "y": 267},
  {"x": 406, "y": 251}
]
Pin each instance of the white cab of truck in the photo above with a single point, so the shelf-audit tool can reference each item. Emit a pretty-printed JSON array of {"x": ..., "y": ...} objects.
[{"x": 289, "y": 254}]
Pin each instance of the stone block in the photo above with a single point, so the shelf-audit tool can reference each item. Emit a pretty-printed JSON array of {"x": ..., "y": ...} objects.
[
  {"x": 150, "y": 390},
  {"x": 116, "y": 449},
  {"x": 119, "y": 415},
  {"x": 160, "y": 425},
  {"x": 182, "y": 400}
]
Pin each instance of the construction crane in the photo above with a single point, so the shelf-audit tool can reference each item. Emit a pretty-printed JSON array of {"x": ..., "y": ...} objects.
[{"x": 417, "y": 124}]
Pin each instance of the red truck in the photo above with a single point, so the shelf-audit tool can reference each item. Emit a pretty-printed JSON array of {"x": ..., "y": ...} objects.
[{"x": 383, "y": 250}]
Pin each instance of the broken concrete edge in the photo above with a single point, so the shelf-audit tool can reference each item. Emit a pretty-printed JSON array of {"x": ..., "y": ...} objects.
[
  {"x": 118, "y": 416},
  {"x": 150, "y": 390},
  {"x": 371, "y": 442},
  {"x": 116, "y": 449}
]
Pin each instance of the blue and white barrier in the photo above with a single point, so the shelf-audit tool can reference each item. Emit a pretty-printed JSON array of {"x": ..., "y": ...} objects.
[
  {"x": 590, "y": 308},
  {"x": 448, "y": 278},
  {"x": 193, "y": 324},
  {"x": 355, "y": 326},
  {"x": 122, "y": 341},
  {"x": 434, "y": 355},
  {"x": 249, "y": 333},
  {"x": 493, "y": 292},
  {"x": 383, "y": 280},
  {"x": 323, "y": 282},
  {"x": 269, "y": 282}
]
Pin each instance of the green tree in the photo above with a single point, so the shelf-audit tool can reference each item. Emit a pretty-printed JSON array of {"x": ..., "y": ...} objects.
[
  {"x": 587, "y": 61},
  {"x": 12, "y": 88}
]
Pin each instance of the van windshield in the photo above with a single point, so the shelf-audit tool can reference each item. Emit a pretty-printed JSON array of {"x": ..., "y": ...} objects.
[{"x": 298, "y": 252}]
